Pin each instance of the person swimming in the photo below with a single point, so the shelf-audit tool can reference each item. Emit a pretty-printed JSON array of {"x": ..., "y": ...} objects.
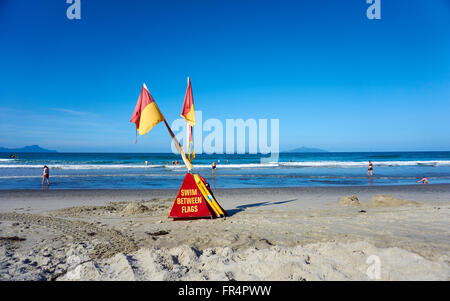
[{"x": 424, "y": 180}]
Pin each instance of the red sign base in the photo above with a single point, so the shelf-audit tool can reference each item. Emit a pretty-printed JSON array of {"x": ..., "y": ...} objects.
[{"x": 189, "y": 202}]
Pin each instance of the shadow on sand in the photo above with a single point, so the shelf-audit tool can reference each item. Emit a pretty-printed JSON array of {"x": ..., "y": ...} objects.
[{"x": 243, "y": 207}]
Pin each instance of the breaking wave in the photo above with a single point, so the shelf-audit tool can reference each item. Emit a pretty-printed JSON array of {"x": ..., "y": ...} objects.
[{"x": 305, "y": 164}]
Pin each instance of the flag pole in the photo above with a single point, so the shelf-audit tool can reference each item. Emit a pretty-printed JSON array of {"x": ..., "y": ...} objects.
[{"x": 179, "y": 147}]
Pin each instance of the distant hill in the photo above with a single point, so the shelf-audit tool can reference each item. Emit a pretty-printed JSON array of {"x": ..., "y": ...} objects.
[
  {"x": 26, "y": 149},
  {"x": 307, "y": 150}
]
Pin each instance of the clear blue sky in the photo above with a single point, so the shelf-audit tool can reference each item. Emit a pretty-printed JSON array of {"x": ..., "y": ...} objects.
[{"x": 333, "y": 78}]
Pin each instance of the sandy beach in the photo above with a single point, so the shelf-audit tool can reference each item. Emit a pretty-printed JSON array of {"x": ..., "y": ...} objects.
[
  {"x": 308, "y": 233},
  {"x": 320, "y": 127}
]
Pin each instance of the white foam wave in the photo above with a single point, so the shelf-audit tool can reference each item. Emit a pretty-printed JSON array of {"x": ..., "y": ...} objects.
[
  {"x": 79, "y": 166},
  {"x": 365, "y": 163},
  {"x": 312, "y": 164},
  {"x": 249, "y": 165},
  {"x": 88, "y": 176}
]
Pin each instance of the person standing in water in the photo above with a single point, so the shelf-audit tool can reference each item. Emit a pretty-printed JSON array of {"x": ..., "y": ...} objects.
[
  {"x": 370, "y": 169},
  {"x": 46, "y": 175},
  {"x": 213, "y": 166}
]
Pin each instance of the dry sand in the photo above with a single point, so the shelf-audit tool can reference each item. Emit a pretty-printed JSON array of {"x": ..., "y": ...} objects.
[{"x": 387, "y": 233}]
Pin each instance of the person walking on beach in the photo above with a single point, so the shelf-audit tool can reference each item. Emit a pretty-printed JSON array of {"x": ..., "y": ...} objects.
[
  {"x": 424, "y": 180},
  {"x": 370, "y": 169},
  {"x": 213, "y": 165},
  {"x": 46, "y": 175}
]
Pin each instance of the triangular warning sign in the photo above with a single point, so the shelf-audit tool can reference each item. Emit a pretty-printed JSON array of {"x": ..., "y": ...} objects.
[{"x": 189, "y": 202}]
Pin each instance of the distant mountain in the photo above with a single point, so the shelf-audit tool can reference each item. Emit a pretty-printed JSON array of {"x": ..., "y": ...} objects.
[
  {"x": 26, "y": 149},
  {"x": 307, "y": 150}
]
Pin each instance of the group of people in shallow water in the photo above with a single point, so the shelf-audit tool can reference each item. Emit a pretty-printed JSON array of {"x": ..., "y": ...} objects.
[
  {"x": 213, "y": 165},
  {"x": 424, "y": 180}
]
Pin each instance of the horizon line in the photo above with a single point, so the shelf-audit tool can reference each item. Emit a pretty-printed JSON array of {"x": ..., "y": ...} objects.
[{"x": 281, "y": 152}]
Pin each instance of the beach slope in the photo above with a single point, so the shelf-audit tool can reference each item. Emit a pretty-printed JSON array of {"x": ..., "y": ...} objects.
[{"x": 332, "y": 233}]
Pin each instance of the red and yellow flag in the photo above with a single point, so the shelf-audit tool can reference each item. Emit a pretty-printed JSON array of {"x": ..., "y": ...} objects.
[
  {"x": 188, "y": 113},
  {"x": 146, "y": 114}
]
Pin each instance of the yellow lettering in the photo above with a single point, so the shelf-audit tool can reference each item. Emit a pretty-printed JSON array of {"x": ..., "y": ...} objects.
[{"x": 188, "y": 209}]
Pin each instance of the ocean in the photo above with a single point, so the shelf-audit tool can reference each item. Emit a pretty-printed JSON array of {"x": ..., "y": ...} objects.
[{"x": 129, "y": 171}]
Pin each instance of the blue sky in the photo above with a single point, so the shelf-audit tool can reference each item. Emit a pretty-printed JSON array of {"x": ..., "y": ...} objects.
[{"x": 335, "y": 79}]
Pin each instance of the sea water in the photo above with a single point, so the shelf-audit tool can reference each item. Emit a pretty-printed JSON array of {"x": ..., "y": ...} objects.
[{"x": 129, "y": 170}]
